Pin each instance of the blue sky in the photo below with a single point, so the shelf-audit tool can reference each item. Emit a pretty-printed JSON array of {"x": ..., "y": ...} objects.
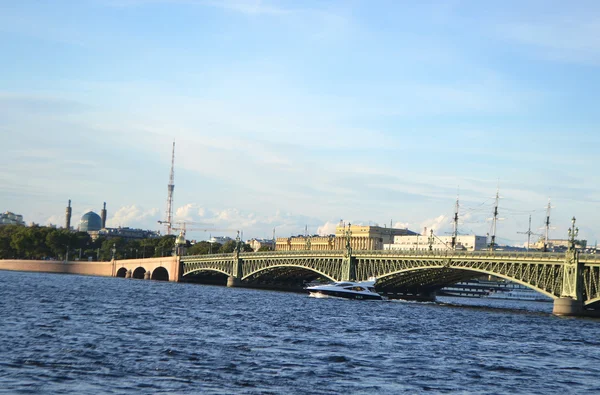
[{"x": 288, "y": 114}]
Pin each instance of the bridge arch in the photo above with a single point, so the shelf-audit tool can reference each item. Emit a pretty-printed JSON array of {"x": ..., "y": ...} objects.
[
  {"x": 139, "y": 273},
  {"x": 160, "y": 274},
  {"x": 122, "y": 272},
  {"x": 206, "y": 269},
  {"x": 456, "y": 274},
  {"x": 283, "y": 267}
]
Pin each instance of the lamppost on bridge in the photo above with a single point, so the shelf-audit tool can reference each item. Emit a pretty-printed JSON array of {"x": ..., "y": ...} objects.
[
  {"x": 431, "y": 240},
  {"x": 348, "y": 241},
  {"x": 573, "y": 233},
  {"x": 238, "y": 244},
  {"x": 114, "y": 251}
]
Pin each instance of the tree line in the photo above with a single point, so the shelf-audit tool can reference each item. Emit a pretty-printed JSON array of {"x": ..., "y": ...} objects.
[{"x": 42, "y": 242}]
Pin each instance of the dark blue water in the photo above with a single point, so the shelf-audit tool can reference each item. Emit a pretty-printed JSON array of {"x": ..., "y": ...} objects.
[{"x": 75, "y": 335}]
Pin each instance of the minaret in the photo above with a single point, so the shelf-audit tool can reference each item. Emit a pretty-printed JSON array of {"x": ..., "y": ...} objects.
[
  {"x": 68, "y": 216},
  {"x": 103, "y": 216}
]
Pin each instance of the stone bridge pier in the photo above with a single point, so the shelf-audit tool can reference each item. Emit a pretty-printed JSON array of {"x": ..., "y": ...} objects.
[{"x": 162, "y": 269}]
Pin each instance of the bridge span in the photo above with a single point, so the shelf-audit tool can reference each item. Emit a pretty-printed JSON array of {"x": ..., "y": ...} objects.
[{"x": 571, "y": 279}]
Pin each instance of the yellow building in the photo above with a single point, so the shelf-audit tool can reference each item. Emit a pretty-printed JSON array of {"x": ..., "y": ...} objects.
[
  {"x": 361, "y": 238},
  {"x": 314, "y": 243}
]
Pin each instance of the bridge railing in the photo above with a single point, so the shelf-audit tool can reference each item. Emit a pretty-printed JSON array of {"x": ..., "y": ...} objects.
[
  {"x": 549, "y": 256},
  {"x": 552, "y": 256}
]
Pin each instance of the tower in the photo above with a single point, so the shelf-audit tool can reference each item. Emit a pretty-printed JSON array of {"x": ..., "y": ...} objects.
[
  {"x": 171, "y": 188},
  {"x": 68, "y": 216},
  {"x": 103, "y": 216}
]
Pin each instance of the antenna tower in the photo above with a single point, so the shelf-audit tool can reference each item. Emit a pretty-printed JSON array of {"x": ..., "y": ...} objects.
[
  {"x": 171, "y": 188},
  {"x": 494, "y": 221}
]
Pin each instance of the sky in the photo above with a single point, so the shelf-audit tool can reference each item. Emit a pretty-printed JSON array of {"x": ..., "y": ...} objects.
[{"x": 294, "y": 114}]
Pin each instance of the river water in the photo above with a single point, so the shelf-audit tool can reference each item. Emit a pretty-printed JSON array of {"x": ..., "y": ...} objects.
[{"x": 91, "y": 335}]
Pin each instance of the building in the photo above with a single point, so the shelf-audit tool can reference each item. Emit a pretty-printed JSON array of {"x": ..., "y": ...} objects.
[
  {"x": 361, "y": 238},
  {"x": 419, "y": 242},
  {"x": 559, "y": 244},
  {"x": 256, "y": 244},
  {"x": 8, "y": 218},
  {"x": 364, "y": 237},
  {"x": 298, "y": 243},
  {"x": 125, "y": 233},
  {"x": 90, "y": 222},
  {"x": 219, "y": 239}
]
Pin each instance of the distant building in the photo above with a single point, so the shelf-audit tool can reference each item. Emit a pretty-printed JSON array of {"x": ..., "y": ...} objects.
[
  {"x": 219, "y": 239},
  {"x": 419, "y": 242},
  {"x": 368, "y": 237},
  {"x": 8, "y": 218},
  {"x": 559, "y": 244},
  {"x": 125, "y": 233},
  {"x": 298, "y": 243},
  {"x": 361, "y": 238},
  {"x": 256, "y": 244},
  {"x": 90, "y": 222}
]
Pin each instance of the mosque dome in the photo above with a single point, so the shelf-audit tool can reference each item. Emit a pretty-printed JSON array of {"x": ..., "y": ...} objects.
[{"x": 90, "y": 221}]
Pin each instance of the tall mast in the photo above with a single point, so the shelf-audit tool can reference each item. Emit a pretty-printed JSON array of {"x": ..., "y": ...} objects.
[
  {"x": 495, "y": 220},
  {"x": 171, "y": 188},
  {"x": 528, "y": 233},
  {"x": 546, "y": 235},
  {"x": 455, "y": 231}
]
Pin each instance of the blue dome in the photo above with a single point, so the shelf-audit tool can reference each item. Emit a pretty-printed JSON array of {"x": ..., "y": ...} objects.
[{"x": 90, "y": 221}]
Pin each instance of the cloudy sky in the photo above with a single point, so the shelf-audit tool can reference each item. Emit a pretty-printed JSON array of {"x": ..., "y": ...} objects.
[{"x": 294, "y": 113}]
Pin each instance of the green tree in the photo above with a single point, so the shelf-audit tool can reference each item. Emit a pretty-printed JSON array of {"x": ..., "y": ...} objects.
[
  {"x": 228, "y": 247},
  {"x": 6, "y": 250}
]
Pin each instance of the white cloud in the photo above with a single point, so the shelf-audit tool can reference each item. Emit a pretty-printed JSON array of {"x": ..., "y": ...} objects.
[
  {"x": 437, "y": 224},
  {"x": 132, "y": 216},
  {"x": 328, "y": 228}
]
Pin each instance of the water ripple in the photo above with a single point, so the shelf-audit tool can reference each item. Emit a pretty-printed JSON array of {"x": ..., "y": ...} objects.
[{"x": 74, "y": 335}]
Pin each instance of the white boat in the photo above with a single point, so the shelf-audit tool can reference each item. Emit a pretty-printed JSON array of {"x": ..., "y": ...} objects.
[
  {"x": 364, "y": 290},
  {"x": 519, "y": 294}
]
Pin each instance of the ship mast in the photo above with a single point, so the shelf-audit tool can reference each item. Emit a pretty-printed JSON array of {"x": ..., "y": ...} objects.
[
  {"x": 455, "y": 230},
  {"x": 528, "y": 233},
  {"x": 547, "y": 226},
  {"x": 495, "y": 220}
]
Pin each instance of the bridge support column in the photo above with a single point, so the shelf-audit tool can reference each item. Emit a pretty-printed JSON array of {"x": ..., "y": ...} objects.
[
  {"x": 147, "y": 275},
  {"x": 233, "y": 282},
  {"x": 349, "y": 269},
  {"x": 567, "y": 307},
  {"x": 236, "y": 279},
  {"x": 128, "y": 274}
]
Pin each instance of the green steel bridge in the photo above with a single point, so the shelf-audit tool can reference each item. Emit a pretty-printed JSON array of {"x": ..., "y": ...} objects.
[{"x": 571, "y": 279}]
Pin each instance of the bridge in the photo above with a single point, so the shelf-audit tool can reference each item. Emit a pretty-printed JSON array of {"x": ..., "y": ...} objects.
[{"x": 571, "y": 279}]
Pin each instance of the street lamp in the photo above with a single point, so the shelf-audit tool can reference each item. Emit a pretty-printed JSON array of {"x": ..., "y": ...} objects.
[
  {"x": 573, "y": 233},
  {"x": 114, "y": 251},
  {"x": 431, "y": 240}
]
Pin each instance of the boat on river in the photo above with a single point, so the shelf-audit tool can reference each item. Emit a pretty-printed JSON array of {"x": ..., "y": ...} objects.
[
  {"x": 519, "y": 293},
  {"x": 364, "y": 290}
]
